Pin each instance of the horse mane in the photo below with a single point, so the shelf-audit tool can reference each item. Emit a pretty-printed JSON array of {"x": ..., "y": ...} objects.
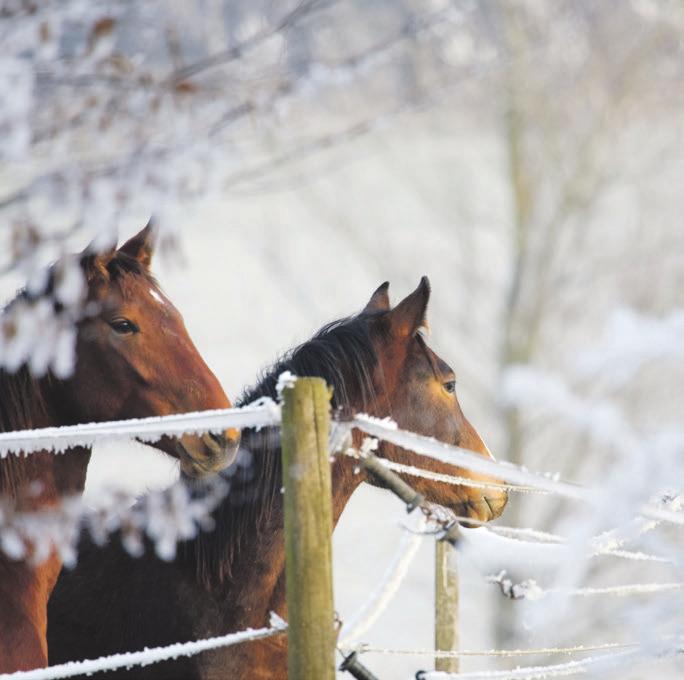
[
  {"x": 120, "y": 266},
  {"x": 23, "y": 400},
  {"x": 343, "y": 354},
  {"x": 22, "y": 406}
]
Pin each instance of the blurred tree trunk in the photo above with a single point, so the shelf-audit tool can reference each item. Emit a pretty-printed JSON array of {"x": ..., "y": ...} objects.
[{"x": 517, "y": 344}]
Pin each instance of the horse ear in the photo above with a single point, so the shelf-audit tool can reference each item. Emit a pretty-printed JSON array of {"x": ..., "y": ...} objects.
[
  {"x": 98, "y": 254},
  {"x": 410, "y": 314},
  {"x": 379, "y": 301},
  {"x": 94, "y": 265},
  {"x": 141, "y": 246}
]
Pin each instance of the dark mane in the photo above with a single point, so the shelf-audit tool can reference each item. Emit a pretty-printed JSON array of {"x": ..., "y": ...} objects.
[
  {"x": 122, "y": 264},
  {"x": 23, "y": 401},
  {"x": 342, "y": 353},
  {"x": 22, "y": 406}
]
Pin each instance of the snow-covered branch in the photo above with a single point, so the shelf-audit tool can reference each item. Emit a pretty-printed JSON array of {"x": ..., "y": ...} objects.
[{"x": 163, "y": 517}]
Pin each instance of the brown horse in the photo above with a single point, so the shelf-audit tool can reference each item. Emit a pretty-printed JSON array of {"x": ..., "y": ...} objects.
[
  {"x": 230, "y": 579},
  {"x": 134, "y": 358}
]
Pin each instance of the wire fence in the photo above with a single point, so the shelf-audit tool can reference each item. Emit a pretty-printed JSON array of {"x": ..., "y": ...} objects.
[
  {"x": 160, "y": 514},
  {"x": 147, "y": 656},
  {"x": 261, "y": 413}
]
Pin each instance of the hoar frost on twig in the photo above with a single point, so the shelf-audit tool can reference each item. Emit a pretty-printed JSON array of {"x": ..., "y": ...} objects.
[{"x": 163, "y": 517}]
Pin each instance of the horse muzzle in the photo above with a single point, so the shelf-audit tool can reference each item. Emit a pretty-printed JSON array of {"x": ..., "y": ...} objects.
[
  {"x": 207, "y": 453},
  {"x": 486, "y": 507}
]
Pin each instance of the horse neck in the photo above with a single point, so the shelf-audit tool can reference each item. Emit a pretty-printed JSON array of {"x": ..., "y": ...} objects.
[
  {"x": 344, "y": 483},
  {"x": 249, "y": 577},
  {"x": 28, "y": 403},
  {"x": 29, "y": 483}
]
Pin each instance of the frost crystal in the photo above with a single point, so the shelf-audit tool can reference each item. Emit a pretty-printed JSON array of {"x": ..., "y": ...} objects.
[
  {"x": 286, "y": 380},
  {"x": 525, "y": 590},
  {"x": 162, "y": 517}
]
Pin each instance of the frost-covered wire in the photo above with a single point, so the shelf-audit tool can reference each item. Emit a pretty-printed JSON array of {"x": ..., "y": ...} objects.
[
  {"x": 664, "y": 514},
  {"x": 261, "y": 413},
  {"x": 622, "y": 591},
  {"x": 453, "y": 654},
  {"x": 453, "y": 455},
  {"x": 376, "y": 603},
  {"x": 606, "y": 544},
  {"x": 387, "y": 430},
  {"x": 523, "y": 537},
  {"x": 665, "y": 509},
  {"x": 456, "y": 479},
  {"x": 146, "y": 657},
  {"x": 530, "y": 590},
  {"x": 533, "y": 672},
  {"x": 595, "y": 664}
]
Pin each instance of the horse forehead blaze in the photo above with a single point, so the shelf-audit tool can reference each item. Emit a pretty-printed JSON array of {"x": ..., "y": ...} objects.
[{"x": 158, "y": 297}]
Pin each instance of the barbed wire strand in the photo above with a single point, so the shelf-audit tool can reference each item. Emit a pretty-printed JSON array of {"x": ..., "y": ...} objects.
[
  {"x": 455, "y": 455},
  {"x": 530, "y": 590},
  {"x": 147, "y": 656},
  {"x": 601, "y": 663},
  {"x": 387, "y": 430},
  {"x": 261, "y": 413},
  {"x": 542, "y": 651},
  {"x": 383, "y": 593},
  {"x": 457, "y": 480},
  {"x": 544, "y": 538}
]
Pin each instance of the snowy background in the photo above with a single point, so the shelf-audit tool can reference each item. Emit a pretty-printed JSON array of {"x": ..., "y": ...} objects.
[{"x": 527, "y": 156}]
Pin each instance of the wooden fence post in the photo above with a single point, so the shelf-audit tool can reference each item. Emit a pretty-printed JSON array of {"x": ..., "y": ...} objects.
[
  {"x": 446, "y": 606},
  {"x": 308, "y": 530}
]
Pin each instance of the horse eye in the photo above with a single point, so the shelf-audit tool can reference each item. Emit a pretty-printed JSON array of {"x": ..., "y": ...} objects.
[
  {"x": 450, "y": 386},
  {"x": 123, "y": 326}
]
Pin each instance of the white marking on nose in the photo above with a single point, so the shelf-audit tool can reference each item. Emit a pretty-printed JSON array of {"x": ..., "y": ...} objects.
[{"x": 489, "y": 453}]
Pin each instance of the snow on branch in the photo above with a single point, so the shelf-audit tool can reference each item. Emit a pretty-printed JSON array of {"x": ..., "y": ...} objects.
[
  {"x": 164, "y": 167},
  {"x": 148, "y": 656},
  {"x": 164, "y": 517},
  {"x": 261, "y": 413},
  {"x": 294, "y": 16},
  {"x": 630, "y": 340},
  {"x": 525, "y": 386},
  {"x": 665, "y": 509}
]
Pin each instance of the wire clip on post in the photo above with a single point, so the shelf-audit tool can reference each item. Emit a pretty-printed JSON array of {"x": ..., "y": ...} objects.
[
  {"x": 452, "y": 533},
  {"x": 413, "y": 499},
  {"x": 354, "y": 667}
]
